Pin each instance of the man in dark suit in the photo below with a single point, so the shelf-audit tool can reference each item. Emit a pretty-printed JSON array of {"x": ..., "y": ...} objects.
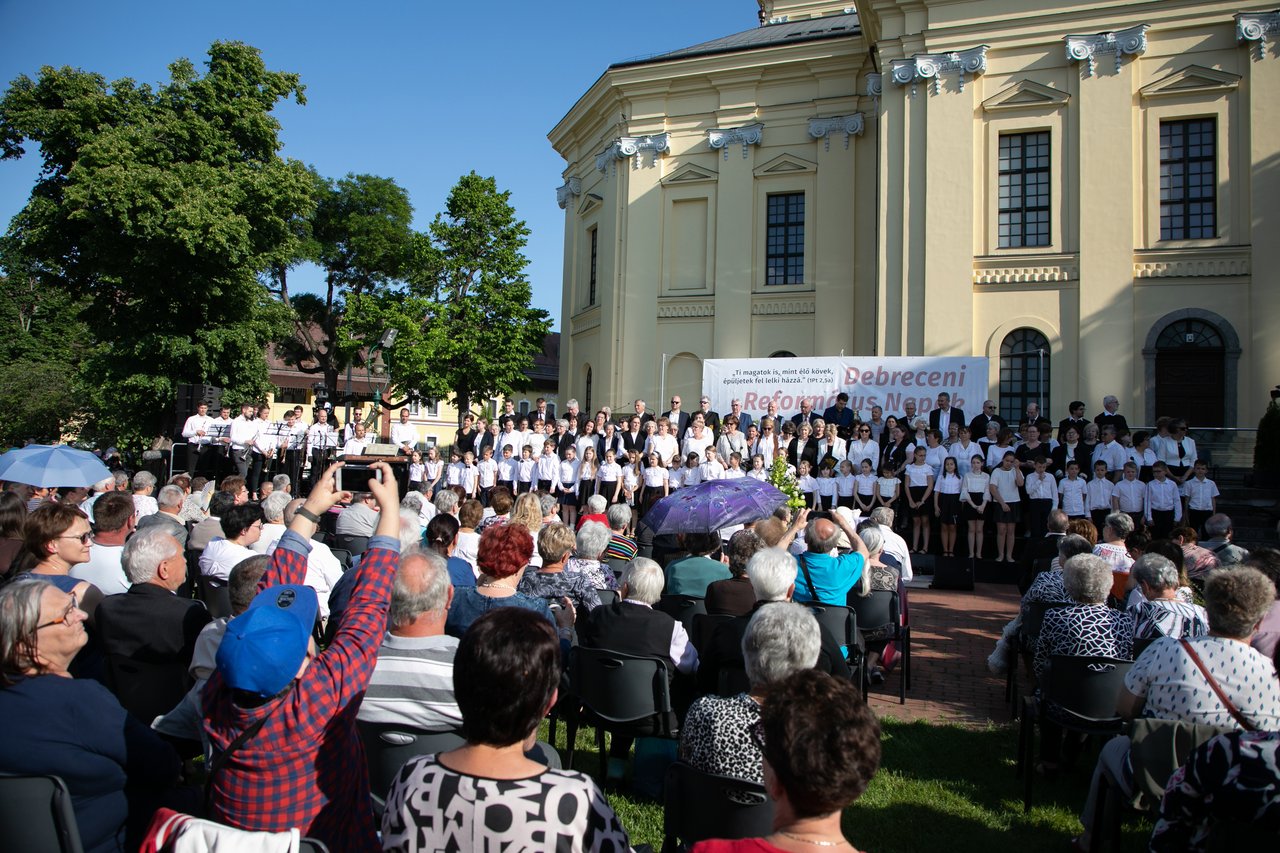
[
  {"x": 1110, "y": 417},
  {"x": 841, "y": 415},
  {"x": 1075, "y": 418},
  {"x": 806, "y": 413},
  {"x": 679, "y": 419},
  {"x": 149, "y": 634},
  {"x": 644, "y": 413},
  {"x": 978, "y": 426},
  {"x": 772, "y": 572},
  {"x": 945, "y": 414},
  {"x": 631, "y": 626},
  {"x": 634, "y": 437},
  {"x": 709, "y": 418},
  {"x": 744, "y": 419}
]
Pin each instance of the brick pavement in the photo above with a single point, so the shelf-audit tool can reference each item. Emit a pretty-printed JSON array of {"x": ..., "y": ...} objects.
[{"x": 952, "y": 633}]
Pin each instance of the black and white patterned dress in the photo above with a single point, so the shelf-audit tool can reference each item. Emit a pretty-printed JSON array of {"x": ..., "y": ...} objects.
[
  {"x": 431, "y": 808},
  {"x": 716, "y": 737},
  {"x": 1169, "y": 618},
  {"x": 1084, "y": 630}
]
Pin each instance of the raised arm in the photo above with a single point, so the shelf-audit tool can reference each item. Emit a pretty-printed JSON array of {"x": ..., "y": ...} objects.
[
  {"x": 855, "y": 541},
  {"x": 797, "y": 524},
  {"x": 289, "y": 562}
]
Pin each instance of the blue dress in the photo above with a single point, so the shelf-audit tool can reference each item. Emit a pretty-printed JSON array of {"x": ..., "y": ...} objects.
[{"x": 469, "y": 605}]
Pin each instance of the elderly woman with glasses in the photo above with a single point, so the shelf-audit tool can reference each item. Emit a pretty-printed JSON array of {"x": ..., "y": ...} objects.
[{"x": 71, "y": 727}]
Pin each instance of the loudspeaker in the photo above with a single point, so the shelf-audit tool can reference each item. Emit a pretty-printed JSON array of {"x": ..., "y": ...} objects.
[
  {"x": 952, "y": 573},
  {"x": 190, "y": 396}
]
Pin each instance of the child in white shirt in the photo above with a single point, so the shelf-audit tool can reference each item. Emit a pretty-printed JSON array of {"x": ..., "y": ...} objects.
[
  {"x": 1099, "y": 491},
  {"x": 417, "y": 471},
  {"x": 508, "y": 468},
  {"x": 1042, "y": 497},
  {"x": 846, "y": 484},
  {"x": 1073, "y": 492},
  {"x": 692, "y": 473},
  {"x": 757, "y": 471},
  {"x": 453, "y": 474},
  {"x": 1200, "y": 496},
  {"x": 864, "y": 494},
  {"x": 827, "y": 488},
  {"x": 808, "y": 483},
  {"x": 548, "y": 469},
  {"x": 734, "y": 471},
  {"x": 656, "y": 480},
  {"x": 487, "y": 470},
  {"x": 610, "y": 478},
  {"x": 470, "y": 477},
  {"x": 712, "y": 469},
  {"x": 1164, "y": 504},
  {"x": 1130, "y": 494},
  {"x": 888, "y": 486},
  {"x": 525, "y": 470},
  {"x": 569, "y": 486}
]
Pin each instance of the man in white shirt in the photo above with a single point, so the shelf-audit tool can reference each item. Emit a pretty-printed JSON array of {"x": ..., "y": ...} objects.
[
  {"x": 198, "y": 433},
  {"x": 359, "y": 519},
  {"x": 244, "y": 429},
  {"x": 322, "y": 441},
  {"x": 404, "y": 435},
  {"x": 1111, "y": 452},
  {"x": 241, "y": 527},
  {"x": 113, "y": 522},
  {"x": 894, "y": 545},
  {"x": 357, "y": 443}
]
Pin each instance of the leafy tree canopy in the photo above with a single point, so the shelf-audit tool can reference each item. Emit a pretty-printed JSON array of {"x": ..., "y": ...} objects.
[{"x": 160, "y": 207}]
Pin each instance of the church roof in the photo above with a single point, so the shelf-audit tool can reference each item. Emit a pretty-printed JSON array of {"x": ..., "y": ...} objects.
[{"x": 769, "y": 35}]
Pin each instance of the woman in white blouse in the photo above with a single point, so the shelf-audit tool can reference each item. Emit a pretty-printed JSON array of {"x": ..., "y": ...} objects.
[
  {"x": 698, "y": 438},
  {"x": 830, "y": 443},
  {"x": 663, "y": 443},
  {"x": 731, "y": 440}
]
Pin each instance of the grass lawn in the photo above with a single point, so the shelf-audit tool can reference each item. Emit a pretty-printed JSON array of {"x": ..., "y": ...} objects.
[{"x": 940, "y": 787}]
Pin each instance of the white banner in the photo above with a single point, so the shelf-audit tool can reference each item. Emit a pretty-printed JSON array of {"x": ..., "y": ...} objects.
[{"x": 868, "y": 380}]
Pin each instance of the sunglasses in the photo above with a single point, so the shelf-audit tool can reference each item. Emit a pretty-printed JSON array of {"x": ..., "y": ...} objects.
[
  {"x": 85, "y": 538},
  {"x": 66, "y": 614}
]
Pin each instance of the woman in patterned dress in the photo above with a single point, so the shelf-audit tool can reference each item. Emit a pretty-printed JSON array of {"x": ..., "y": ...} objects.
[
  {"x": 486, "y": 795},
  {"x": 551, "y": 581}
]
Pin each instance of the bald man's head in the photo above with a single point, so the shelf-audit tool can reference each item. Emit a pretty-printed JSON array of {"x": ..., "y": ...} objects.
[{"x": 821, "y": 536}]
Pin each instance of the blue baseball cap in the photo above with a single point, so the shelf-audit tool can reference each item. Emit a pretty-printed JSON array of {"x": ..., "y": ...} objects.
[{"x": 264, "y": 646}]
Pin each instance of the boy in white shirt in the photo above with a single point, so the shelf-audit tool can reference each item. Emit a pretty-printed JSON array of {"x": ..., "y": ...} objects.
[
  {"x": 1164, "y": 502},
  {"x": 548, "y": 469},
  {"x": 1099, "y": 491},
  {"x": 487, "y": 470},
  {"x": 1201, "y": 497},
  {"x": 712, "y": 469},
  {"x": 1130, "y": 495},
  {"x": 470, "y": 475},
  {"x": 525, "y": 470},
  {"x": 734, "y": 471},
  {"x": 508, "y": 467},
  {"x": 1072, "y": 492},
  {"x": 453, "y": 474}
]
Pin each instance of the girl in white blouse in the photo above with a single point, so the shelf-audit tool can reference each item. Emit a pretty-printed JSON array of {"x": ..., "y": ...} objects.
[
  {"x": 888, "y": 487},
  {"x": 919, "y": 489},
  {"x": 827, "y": 488},
  {"x": 974, "y": 496},
  {"x": 845, "y": 485},
  {"x": 1042, "y": 497},
  {"x": 757, "y": 471},
  {"x": 1005, "y": 483},
  {"x": 569, "y": 469},
  {"x": 808, "y": 484},
  {"x": 864, "y": 496},
  {"x": 610, "y": 478},
  {"x": 946, "y": 504},
  {"x": 656, "y": 480}
]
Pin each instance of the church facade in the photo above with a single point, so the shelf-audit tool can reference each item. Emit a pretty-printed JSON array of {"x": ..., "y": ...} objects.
[{"x": 1087, "y": 193}]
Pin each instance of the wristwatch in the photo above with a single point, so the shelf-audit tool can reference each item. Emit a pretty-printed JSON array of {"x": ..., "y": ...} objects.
[{"x": 308, "y": 515}]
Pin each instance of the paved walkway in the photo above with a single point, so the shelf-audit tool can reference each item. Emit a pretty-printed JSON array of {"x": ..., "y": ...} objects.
[{"x": 952, "y": 633}]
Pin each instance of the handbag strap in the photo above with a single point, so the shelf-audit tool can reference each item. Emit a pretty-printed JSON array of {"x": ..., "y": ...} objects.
[{"x": 1222, "y": 697}]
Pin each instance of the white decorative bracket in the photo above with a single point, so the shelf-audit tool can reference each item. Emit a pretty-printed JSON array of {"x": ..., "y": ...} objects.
[
  {"x": 632, "y": 146},
  {"x": 571, "y": 188},
  {"x": 932, "y": 66},
  {"x": 723, "y": 137},
  {"x": 1255, "y": 27},
  {"x": 822, "y": 128},
  {"x": 1132, "y": 42}
]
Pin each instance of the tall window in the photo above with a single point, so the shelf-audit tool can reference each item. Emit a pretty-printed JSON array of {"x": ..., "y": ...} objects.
[
  {"x": 591, "y": 275},
  {"x": 784, "y": 239},
  {"x": 586, "y": 398},
  {"x": 1024, "y": 373},
  {"x": 1188, "y": 179},
  {"x": 1024, "y": 189}
]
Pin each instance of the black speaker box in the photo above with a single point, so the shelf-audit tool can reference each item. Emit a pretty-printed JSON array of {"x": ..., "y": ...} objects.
[{"x": 952, "y": 573}]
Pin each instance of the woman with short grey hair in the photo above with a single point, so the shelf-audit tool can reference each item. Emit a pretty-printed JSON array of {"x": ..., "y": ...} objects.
[
  {"x": 876, "y": 577},
  {"x": 781, "y": 639},
  {"x": 1161, "y": 613},
  {"x": 593, "y": 538},
  {"x": 1087, "y": 628}
]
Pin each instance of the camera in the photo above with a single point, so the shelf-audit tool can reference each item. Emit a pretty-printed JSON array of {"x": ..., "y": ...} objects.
[{"x": 356, "y": 478}]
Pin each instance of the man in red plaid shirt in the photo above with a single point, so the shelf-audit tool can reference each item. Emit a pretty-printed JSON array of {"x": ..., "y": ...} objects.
[{"x": 305, "y": 765}]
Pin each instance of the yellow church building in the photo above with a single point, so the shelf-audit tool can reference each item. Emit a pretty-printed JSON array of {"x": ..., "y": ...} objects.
[{"x": 1087, "y": 193}]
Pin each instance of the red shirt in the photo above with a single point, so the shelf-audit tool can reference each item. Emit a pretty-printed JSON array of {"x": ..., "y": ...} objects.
[
  {"x": 600, "y": 517},
  {"x": 306, "y": 766}
]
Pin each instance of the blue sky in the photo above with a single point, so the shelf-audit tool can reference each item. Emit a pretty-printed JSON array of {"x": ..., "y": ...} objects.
[{"x": 421, "y": 92}]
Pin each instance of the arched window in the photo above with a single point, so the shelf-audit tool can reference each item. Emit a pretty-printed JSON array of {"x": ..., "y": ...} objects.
[
  {"x": 1189, "y": 333},
  {"x": 782, "y": 353},
  {"x": 586, "y": 398},
  {"x": 1024, "y": 373}
]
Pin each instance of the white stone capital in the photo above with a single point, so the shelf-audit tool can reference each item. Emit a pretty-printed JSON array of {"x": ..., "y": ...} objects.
[
  {"x": 933, "y": 66},
  {"x": 569, "y": 189},
  {"x": 1131, "y": 42},
  {"x": 822, "y": 128},
  {"x": 1255, "y": 27},
  {"x": 747, "y": 135},
  {"x": 631, "y": 147}
]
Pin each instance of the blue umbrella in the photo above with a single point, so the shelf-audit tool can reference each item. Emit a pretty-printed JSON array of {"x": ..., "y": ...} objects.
[
  {"x": 52, "y": 466},
  {"x": 713, "y": 505}
]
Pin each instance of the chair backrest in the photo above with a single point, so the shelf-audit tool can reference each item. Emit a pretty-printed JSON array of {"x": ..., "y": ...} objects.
[
  {"x": 147, "y": 689},
  {"x": 840, "y": 622},
  {"x": 1158, "y": 748},
  {"x": 36, "y": 814},
  {"x": 609, "y": 596},
  {"x": 387, "y": 747},
  {"x": 617, "y": 564},
  {"x": 355, "y": 545},
  {"x": 1088, "y": 687},
  {"x": 216, "y": 596},
  {"x": 344, "y": 557},
  {"x": 704, "y": 626},
  {"x": 312, "y": 845},
  {"x": 877, "y": 609},
  {"x": 699, "y": 805},
  {"x": 682, "y": 608},
  {"x": 619, "y": 687},
  {"x": 1035, "y": 616}
]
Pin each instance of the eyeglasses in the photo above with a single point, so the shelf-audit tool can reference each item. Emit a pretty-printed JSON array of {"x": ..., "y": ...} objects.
[
  {"x": 85, "y": 538},
  {"x": 66, "y": 614},
  {"x": 865, "y": 431}
]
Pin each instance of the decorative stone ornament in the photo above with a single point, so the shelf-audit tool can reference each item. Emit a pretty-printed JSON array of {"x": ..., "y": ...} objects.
[
  {"x": 631, "y": 147},
  {"x": 932, "y": 67},
  {"x": 1131, "y": 42},
  {"x": 1255, "y": 27},
  {"x": 822, "y": 128},
  {"x": 571, "y": 188},
  {"x": 722, "y": 137}
]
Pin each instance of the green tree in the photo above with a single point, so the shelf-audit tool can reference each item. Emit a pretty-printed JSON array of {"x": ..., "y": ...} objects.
[
  {"x": 360, "y": 235},
  {"x": 161, "y": 207},
  {"x": 467, "y": 330}
]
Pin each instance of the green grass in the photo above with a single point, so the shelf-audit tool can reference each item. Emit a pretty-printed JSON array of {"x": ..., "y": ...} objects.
[{"x": 940, "y": 787}]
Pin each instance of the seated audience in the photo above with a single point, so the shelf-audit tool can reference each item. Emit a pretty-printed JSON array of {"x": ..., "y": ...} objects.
[
  {"x": 13, "y": 518},
  {"x": 1161, "y": 613},
  {"x": 821, "y": 749},
  {"x": 210, "y": 527},
  {"x": 1112, "y": 548},
  {"x": 550, "y": 581},
  {"x": 441, "y": 536},
  {"x": 144, "y": 485},
  {"x": 621, "y": 546},
  {"x": 150, "y": 624},
  {"x": 596, "y": 506},
  {"x": 113, "y": 523},
  {"x": 168, "y": 516},
  {"x": 1267, "y": 636},
  {"x": 1198, "y": 561},
  {"x": 692, "y": 574},
  {"x": 1171, "y": 680},
  {"x": 717, "y": 736},
  {"x": 735, "y": 597},
  {"x": 360, "y": 518},
  {"x": 826, "y": 576},
  {"x": 305, "y": 767},
  {"x": 57, "y": 538},
  {"x": 412, "y": 683},
  {"x": 273, "y": 523},
  {"x": 486, "y": 795},
  {"x": 1219, "y": 537},
  {"x": 1049, "y": 587},
  {"x": 503, "y": 555},
  {"x": 876, "y": 577},
  {"x": 591, "y": 541},
  {"x": 241, "y": 528},
  {"x": 71, "y": 727}
]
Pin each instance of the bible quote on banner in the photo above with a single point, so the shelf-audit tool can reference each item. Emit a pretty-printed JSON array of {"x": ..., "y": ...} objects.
[{"x": 868, "y": 380}]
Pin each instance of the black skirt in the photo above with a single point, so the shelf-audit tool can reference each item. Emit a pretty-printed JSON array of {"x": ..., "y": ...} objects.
[
  {"x": 970, "y": 512},
  {"x": 949, "y": 508}
]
